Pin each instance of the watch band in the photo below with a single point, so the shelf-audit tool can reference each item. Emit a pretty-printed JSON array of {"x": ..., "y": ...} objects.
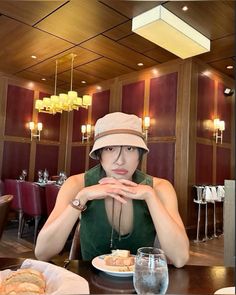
[{"x": 75, "y": 203}]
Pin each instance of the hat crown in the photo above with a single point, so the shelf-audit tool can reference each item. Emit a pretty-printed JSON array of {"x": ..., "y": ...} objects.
[{"x": 118, "y": 120}]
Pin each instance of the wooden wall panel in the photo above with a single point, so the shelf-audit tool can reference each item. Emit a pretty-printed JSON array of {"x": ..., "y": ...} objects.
[
  {"x": 204, "y": 161},
  {"x": 224, "y": 111},
  {"x": 162, "y": 105},
  {"x": 51, "y": 123},
  {"x": 100, "y": 105},
  {"x": 222, "y": 165},
  {"x": 205, "y": 105},
  {"x": 16, "y": 156},
  {"x": 133, "y": 98},
  {"x": 46, "y": 158},
  {"x": 160, "y": 160},
  {"x": 19, "y": 111},
  {"x": 78, "y": 156},
  {"x": 80, "y": 118}
]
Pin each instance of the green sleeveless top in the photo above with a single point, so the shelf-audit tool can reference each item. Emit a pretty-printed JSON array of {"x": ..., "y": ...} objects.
[{"x": 95, "y": 229}]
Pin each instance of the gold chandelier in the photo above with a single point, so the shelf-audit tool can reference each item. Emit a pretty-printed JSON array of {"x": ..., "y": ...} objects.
[{"x": 63, "y": 102}]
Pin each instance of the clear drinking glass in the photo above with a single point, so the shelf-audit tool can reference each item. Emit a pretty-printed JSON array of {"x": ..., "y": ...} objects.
[
  {"x": 24, "y": 173},
  {"x": 151, "y": 271}
]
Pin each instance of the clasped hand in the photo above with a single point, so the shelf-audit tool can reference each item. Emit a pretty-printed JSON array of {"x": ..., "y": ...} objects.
[{"x": 119, "y": 189}]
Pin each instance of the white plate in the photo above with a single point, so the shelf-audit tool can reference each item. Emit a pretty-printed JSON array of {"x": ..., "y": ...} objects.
[
  {"x": 98, "y": 263},
  {"x": 228, "y": 290}
]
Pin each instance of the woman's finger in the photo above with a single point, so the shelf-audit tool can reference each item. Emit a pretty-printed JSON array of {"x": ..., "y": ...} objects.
[
  {"x": 110, "y": 180},
  {"x": 117, "y": 197},
  {"x": 106, "y": 180},
  {"x": 128, "y": 182}
]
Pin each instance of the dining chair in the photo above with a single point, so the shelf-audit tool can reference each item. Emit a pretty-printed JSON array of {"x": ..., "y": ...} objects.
[
  {"x": 51, "y": 191},
  {"x": 2, "y": 188},
  {"x": 5, "y": 202},
  {"x": 12, "y": 187},
  {"x": 33, "y": 204},
  {"x": 75, "y": 249}
]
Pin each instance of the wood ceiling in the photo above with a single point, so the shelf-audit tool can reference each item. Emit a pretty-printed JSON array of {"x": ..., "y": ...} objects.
[{"x": 99, "y": 33}]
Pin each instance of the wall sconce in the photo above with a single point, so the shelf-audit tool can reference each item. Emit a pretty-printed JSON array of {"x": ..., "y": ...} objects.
[
  {"x": 86, "y": 131},
  {"x": 146, "y": 125},
  {"x": 35, "y": 130},
  {"x": 218, "y": 126}
]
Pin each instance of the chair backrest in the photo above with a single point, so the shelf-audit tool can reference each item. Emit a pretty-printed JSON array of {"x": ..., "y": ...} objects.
[
  {"x": 33, "y": 199},
  {"x": 75, "y": 250},
  {"x": 51, "y": 191},
  {"x": 2, "y": 188},
  {"x": 5, "y": 202},
  {"x": 12, "y": 187}
]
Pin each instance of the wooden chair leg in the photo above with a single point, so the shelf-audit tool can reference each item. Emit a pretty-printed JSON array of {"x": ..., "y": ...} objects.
[
  {"x": 20, "y": 218},
  {"x": 22, "y": 225},
  {"x": 36, "y": 225}
]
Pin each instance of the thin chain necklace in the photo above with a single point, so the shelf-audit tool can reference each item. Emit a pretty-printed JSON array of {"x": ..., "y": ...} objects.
[{"x": 112, "y": 223}]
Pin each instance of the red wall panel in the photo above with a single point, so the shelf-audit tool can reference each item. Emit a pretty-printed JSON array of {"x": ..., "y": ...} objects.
[
  {"x": 78, "y": 155},
  {"x": 100, "y": 105},
  {"x": 205, "y": 106},
  {"x": 204, "y": 158},
  {"x": 160, "y": 160},
  {"x": 80, "y": 118},
  {"x": 162, "y": 105},
  {"x": 133, "y": 98},
  {"x": 51, "y": 123},
  {"x": 46, "y": 158},
  {"x": 16, "y": 157},
  {"x": 93, "y": 162},
  {"x": 224, "y": 111},
  {"x": 19, "y": 111},
  {"x": 222, "y": 165}
]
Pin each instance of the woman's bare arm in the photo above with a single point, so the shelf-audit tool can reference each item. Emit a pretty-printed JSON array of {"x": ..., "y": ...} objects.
[
  {"x": 58, "y": 226},
  {"x": 163, "y": 207},
  {"x": 172, "y": 236}
]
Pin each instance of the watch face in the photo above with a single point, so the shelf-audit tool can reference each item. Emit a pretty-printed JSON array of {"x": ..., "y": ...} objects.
[{"x": 76, "y": 202}]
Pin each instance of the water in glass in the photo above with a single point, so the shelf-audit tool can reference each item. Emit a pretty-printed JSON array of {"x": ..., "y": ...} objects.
[{"x": 151, "y": 271}]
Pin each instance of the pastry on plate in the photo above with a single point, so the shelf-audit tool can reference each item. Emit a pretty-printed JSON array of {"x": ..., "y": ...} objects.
[{"x": 119, "y": 260}]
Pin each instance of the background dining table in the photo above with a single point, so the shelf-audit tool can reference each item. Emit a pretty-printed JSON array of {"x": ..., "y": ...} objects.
[{"x": 191, "y": 279}]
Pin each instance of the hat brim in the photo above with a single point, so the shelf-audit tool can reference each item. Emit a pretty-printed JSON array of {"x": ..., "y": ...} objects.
[{"x": 118, "y": 140}]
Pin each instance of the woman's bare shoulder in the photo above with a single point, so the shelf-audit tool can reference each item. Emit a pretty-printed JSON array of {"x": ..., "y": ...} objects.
[
  {"x": 161, "y": 183},
  {"x": 73, "y": 183},
  {"x": 164, "y": 188}
]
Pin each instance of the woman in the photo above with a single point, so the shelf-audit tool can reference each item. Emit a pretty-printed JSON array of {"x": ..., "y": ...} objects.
[{"x": 119, "y": 206}]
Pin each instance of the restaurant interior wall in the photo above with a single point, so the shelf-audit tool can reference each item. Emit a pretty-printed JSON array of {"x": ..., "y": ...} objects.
[{"x": 168, "y": 93}]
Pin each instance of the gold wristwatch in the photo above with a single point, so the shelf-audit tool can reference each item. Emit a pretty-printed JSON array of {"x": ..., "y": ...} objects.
[{"x": 75, "y": 203}]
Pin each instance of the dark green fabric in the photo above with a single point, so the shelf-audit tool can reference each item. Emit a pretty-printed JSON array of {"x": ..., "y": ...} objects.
[{"x": 95, "y": 229}]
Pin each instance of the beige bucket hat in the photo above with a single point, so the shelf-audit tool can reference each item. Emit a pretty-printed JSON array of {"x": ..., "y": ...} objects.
[{"x": 117, "y": 129}]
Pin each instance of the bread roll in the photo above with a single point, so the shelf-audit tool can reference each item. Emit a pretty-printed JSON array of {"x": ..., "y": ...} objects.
[
  {"x": 24, "y": 282},
  {"x": 24, "y": 288}
]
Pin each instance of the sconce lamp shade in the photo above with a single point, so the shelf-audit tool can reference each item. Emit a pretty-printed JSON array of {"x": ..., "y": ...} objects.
[
  {"x": 146, "y": 122},
  {"x": 40, "y": 126},
  {"x": 31, "y": 125},
  {"x": 165, "y": 29}
]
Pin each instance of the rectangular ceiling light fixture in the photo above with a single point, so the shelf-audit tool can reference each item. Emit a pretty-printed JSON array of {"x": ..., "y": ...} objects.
[{"x": 165, "y": 29}]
